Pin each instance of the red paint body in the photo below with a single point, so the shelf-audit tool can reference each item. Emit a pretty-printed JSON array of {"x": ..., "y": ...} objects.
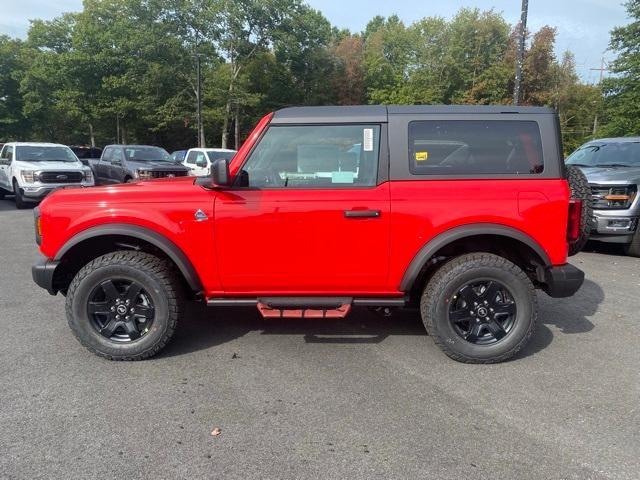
[{"x": 298, "y": 242}]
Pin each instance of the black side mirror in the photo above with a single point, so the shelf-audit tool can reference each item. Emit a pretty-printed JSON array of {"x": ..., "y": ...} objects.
[
  {"x": 201, "y": 162},
  {"x": 220, "y": 173}
]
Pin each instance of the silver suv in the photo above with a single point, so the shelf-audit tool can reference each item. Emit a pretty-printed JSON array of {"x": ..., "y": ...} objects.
[{"x": 612, "y": 166}]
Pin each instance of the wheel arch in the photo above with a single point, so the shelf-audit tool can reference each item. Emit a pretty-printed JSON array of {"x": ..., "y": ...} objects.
[
  {"x": 96, "y": 241},
  {"x": 476, "y": 237}
]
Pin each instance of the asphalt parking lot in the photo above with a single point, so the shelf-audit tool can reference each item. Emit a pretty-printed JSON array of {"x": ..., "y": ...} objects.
[{"x": 364, "y": 397}]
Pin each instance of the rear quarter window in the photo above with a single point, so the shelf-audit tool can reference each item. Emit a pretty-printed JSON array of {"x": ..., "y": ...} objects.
[{"x": 475, "y": 147}]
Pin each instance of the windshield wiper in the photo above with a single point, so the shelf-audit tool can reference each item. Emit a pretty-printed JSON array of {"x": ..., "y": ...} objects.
[
  {"x": 614, "y": 165},
  {"x": 579, "y": 165}
]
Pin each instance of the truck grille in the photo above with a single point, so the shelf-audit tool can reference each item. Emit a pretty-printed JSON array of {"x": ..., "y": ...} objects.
[
  {"x": 167, "y": 173},
  {"x": 61, "y": 177},
  {"x": 616, "y": 196}
]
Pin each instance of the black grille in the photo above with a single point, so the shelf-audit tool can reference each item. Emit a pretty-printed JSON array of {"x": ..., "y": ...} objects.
[
  {"x": 168, "y": 173},
  {"x": 599, "y": 192},
  {"x": 61, "y": 177}
]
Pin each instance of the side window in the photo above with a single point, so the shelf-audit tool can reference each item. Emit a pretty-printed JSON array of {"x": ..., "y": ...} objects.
[
  {"x": 320, "y": 156},
  {"x": 7, "y": 154},
  {"x": 200, "y": 158},
  {"x": 191, "y": 158},
  {"x": 107, "y": 155},
  {"x": 117, "y": 156},
  {"x": 474, "y": 147}
]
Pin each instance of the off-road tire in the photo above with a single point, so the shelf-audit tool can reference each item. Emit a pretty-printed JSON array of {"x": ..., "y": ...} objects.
[
  {"x": 580, "y": 190},
  {"x": 633, "y": 249},
  {"x": 160, "y": 280},
  {"x": 438, "y": 293},
  {"x": 20, "y": 202}
]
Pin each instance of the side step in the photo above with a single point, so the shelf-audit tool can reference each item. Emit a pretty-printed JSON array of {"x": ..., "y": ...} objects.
[{"x": 305, "y": 307}]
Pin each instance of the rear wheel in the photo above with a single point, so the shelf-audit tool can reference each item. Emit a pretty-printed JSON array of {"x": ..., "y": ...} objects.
[
  {"x": 580, "y": 190},
  {"x": 124, "y": 305},
  {"x": 479, "y": 308}
]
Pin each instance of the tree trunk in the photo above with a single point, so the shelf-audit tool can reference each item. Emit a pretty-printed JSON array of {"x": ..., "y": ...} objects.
[
  {"x": 227, "y": 109},
  {"x": 91, "y": 134},
  {"x": 123, "y": 134},
  {"x": 237, "y": 127}
]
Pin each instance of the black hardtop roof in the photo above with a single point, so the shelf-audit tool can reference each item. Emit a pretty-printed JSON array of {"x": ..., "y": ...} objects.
[{"x": 380, "y": 113}]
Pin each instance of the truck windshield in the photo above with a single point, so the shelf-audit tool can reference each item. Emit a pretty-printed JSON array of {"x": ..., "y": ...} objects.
[
  {"x": 147, "y": 154},
  {"x": 620, "y": 154},
  {"x": 215, "y": 155},
  {"x": 38, "y": 153}
]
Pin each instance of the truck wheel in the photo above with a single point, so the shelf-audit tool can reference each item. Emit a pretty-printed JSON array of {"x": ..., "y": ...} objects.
[
  {"x": 20, "y": 202},
  {"x": 124, "y": 305},
  {"x": 580, "y": 190},
  {"x": 633, "y": 249},
  {"x": 479, "y": 308}
]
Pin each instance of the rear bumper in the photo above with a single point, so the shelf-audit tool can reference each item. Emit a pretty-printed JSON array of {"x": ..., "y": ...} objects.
[
  {"x": 562, "y": 281},
  {"x": 42, "y": 272}
]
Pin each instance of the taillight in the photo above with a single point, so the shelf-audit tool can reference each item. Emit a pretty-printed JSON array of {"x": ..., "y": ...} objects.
[{"x": 575, "y": 216}]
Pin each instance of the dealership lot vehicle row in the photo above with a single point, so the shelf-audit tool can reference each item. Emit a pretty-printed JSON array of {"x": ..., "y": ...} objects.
[{"x": 364, "y": 397}]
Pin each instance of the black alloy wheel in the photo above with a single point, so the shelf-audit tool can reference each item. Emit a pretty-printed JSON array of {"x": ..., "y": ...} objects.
[
  {"x": 483, "y": 312},
  {"x": 120, "y": 310}
]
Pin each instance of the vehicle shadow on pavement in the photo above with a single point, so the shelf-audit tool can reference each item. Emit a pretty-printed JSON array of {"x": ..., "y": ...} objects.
[
  {"x": 7, "y": 203},
  {"x": 204, "y": 327},
  {"x": 569, "y": 315},
  {"x": 605, "y": 248}
]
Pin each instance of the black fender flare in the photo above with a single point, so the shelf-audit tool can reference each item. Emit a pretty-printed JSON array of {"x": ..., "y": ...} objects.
[
  {"x": 457, "y": 233},
  {"x": 158, "y": 240}
]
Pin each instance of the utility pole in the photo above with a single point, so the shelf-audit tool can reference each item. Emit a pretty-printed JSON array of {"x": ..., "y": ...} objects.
[
  {"x": 199, "y": 102},
  {"x": 520, "y": 52},
  {"x": 603, "y": 68}
]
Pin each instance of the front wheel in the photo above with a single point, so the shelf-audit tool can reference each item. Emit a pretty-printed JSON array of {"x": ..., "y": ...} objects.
[
  {"x": 124, "y": 305},
  {"x": 479, "y": 308},
  {"x": 633, "y": 249},
  {"x": 20, "y": 201}
]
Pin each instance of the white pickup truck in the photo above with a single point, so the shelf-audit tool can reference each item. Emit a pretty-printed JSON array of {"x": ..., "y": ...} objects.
[
  {"x": 199, "y": 160},
  {"x": 30, "y": 171}
]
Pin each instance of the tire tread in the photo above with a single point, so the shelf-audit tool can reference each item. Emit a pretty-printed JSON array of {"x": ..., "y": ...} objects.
[
  {"x": 151, "y": 264},
  {"x": 447, "y": 273}
]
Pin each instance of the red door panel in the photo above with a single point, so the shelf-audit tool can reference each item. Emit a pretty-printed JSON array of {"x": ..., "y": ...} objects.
[{"x": 300, "y": 241}]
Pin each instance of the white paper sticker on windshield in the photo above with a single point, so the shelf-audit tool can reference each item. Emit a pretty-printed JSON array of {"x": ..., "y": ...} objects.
[{"x": 367, "y": 140}]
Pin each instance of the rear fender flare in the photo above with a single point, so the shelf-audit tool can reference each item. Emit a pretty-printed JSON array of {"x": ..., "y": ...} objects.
[{"x": 443, "y": 239}]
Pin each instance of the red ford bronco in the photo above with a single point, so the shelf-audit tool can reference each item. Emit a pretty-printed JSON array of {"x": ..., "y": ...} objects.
[{"x": 462, "y": 211}]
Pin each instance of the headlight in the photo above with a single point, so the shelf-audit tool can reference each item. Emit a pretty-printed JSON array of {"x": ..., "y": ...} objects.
[
  {"x": 87, "y": 176},
  {"x": 29, "y": 176},
  {"x": 144, "y": 174}
]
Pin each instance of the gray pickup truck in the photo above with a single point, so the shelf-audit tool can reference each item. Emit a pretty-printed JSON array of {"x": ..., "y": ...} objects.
[{"x": 612, "y": 166}]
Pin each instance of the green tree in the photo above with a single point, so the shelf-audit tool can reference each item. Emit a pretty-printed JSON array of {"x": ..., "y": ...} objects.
[
  {"x": 13, "y": 124},
  {"x": 622, "y": 91}
]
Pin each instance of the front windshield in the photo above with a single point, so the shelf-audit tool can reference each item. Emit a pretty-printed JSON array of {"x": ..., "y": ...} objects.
[
  {"x": 147, "y": 154},
  {"x": 216, "y": 155},
  {"x": 622, "y": 154},
  {"x": 40, "y": 153}
]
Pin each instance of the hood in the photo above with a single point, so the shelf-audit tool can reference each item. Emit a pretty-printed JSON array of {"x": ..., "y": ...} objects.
[
  {"x": 612, "y": 174},
  {"x": 163, "y": 190},
  {"x": 159, "y": 165},
  {"x": 70, "y": 166}
]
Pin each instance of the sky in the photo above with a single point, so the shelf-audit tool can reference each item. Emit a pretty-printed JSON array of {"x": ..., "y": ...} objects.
[{"x": 583, "y": 25}]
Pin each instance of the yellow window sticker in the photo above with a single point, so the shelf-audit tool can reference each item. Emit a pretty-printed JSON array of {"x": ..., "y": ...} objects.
[{"x": 422, "y": 156}]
